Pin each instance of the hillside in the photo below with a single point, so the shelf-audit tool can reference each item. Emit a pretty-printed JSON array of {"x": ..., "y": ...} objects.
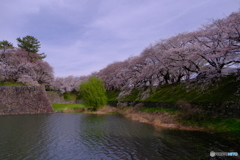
[{"x": 223, "y": 90}]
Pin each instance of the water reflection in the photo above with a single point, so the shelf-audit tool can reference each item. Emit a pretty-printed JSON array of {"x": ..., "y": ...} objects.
[{"x": 78, "y": 136}]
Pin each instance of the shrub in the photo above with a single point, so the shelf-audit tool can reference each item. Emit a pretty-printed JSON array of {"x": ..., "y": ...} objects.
[{"x": 93, "y": 93}]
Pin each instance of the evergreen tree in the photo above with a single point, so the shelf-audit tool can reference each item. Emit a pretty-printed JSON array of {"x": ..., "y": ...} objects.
[
  {"x": 5, "y": 44},
  {"x": 30, "y": 44}
]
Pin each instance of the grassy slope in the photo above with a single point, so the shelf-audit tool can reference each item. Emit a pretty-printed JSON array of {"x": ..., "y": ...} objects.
[
  {"x": 11, "y": 84},
  {"x": 227, "y": 127},
  {"x": 71, "y": 96},
  {"x": 68, "y": 106},
  {"x": 112, "y": 95},
  {"x": 221, "y": 91}
]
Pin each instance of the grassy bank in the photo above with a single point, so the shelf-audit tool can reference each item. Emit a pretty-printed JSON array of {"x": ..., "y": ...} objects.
[
  {"x": 167, "y": 118},
  {"x": 71, "y": 96},
  {"x": 69, "y": 107},
  {"x": 227, "y": 127},
  {"x": 11, "y": 84},
  {"x": 202, "y": 121},
  {"x": 158, "y": 117},
  {"x": 222, "y": 90}
]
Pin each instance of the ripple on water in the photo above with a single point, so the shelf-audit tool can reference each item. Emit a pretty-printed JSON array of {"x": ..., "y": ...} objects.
[{"x": 78, "y": 136}]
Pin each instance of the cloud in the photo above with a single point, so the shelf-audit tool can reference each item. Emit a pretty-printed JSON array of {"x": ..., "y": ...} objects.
[{"x": 82, "y": 36}]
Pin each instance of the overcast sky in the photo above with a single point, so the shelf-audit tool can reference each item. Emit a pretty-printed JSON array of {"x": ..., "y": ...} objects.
[{"x": 83, "y": 36}]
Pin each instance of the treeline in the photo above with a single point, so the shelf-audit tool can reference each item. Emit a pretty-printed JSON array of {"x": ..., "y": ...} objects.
[
  {"x": 23, "y": 63},
  {"x": 26, "y": 65},
  {"x": 200, "y": 55}
]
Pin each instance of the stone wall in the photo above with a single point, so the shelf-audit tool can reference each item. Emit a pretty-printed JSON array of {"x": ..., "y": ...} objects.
[
  {"x": 57, "y": 98},
  {"x": 227, "y": 109},
  {"x": 24, "y": 100}
]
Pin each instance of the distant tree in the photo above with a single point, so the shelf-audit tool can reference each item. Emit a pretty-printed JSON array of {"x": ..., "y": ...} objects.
[
  {"x": 93, "y": 93},
  {"x": 26, "y": 79},
  {"x": 16, "y": 65},
  {"x": 43, "y": 72},
  {"x": 30, "y": 44},
  {"x": 66, "y": 84},
  {"x": 5, "y": 44},
  {"x": 201, "y": 54}
]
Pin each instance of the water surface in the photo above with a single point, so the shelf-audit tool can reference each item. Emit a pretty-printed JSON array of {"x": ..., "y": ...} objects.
[{"x": 73, "y": 136}]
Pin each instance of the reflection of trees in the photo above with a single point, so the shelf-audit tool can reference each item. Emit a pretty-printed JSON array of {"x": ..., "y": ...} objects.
[
  {"x": 74, "y": 136},
  {"x": 93, "y": 128},
  {"x": 116, "y": 137},
  {"x": 22, "y": 136}
]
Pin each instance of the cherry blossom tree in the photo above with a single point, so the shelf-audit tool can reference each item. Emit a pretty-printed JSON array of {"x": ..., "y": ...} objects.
[
  {"x": 43, "y": 72},
  {"x": 114, "y": 75},
  {"x": 203, "y": 53},
  {"x": 67, "y": 84},
  {"x": 17, "y": 65}
]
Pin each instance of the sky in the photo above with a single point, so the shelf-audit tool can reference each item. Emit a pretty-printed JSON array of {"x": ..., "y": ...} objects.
[{"x": 84, "y": 36}]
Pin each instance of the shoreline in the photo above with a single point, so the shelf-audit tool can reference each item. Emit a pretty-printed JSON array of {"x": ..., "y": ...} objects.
[
  {"x": 228, "y": 128},
  {"x": 157, "y": 119}
]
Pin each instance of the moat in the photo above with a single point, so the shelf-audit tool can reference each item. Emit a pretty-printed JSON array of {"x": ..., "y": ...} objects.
[{"x": 86, "y": 136}]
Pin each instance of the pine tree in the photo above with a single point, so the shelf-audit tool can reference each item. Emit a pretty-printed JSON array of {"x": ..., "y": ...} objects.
[
  {"x": 30, "y": 44},
  {"x": 5, "y": 44}
]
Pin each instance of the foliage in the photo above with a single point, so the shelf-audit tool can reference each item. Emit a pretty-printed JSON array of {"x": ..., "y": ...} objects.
[
  {"x": 67, "y": 84},
  {"x": 52, "y": 91},
  {"x": 93, "y": 93},
  {"x": 12, "y": 84},
  {"x": 228, "y": 126},
  {"x": 132, "y": 96},
  {"x": 201, "y": 55},
  {"x": 151, "y": 110},
  {"x": 5, "y": 44},
  {"x": 17, "y": 65},
  {"x": 112, "y": 95},
  {"x": 62, "y": 107},
  {"x": 26, "y": 79},
  {"x": 71, "y": 96},
  {"x": 30, "y": 44},
  {"x": 223, "y": 90}
]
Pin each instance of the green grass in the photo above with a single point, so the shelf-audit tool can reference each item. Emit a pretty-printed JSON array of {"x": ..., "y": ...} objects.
[
  {"x": 71, "y": 96},
  {"x": 72, "y": 106},
  {"x": 215, "y": 123},
  {"x": 116, "y": 113},
  {"x": 228, "y": 126},
  {"x": 12, "y": 84},
  {"x": 112, "y": 95},
  {"x": 151, "y": 110},
  {"x": 221, "y": 91},
  {"x": 133, "y": 96}
]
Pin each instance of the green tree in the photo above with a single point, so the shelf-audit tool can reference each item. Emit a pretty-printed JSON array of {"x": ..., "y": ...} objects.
[
  {"x": 5, "y": 44},
  {"x": 93, "y": 93},
  {"x": 30, "y": 44}
]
